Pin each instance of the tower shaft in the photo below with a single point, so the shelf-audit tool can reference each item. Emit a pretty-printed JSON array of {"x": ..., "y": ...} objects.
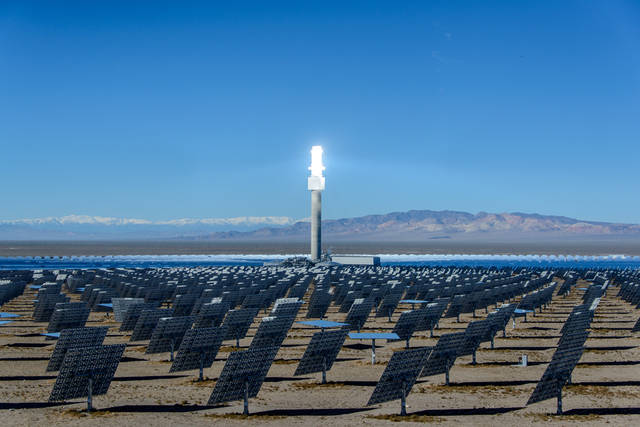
[
  {"x": 316, "y": 224},
  {"x": 315, "y": 184}
]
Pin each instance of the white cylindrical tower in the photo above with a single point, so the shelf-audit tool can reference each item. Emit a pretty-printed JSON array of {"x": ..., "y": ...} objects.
[{"x": 315, "y": 183}]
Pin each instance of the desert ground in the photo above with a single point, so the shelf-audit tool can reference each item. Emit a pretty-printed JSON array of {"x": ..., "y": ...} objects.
[{"x": 605, "y": 384}]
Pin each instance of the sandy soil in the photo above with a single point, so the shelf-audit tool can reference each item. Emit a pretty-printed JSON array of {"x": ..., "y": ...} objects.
[{"x": 493, "y": 392}]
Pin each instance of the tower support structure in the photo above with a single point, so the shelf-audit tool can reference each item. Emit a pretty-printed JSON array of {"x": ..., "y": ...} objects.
[{"x": 315, "y": 184}]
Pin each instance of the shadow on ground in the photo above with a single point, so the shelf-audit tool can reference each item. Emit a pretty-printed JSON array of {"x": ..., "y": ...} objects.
[
  {"x": 31, "y": 405},
  {"x": 160, "y": 408},
  {"x": 150, "y": 377},
  {"x": 603, "y": 411},
  {"x": 466, "y": 411},
  {"x": 311, "y": 412}
]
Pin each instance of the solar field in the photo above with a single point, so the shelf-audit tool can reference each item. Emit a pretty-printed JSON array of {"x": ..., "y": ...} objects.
[{"x": 522, "y": 346}]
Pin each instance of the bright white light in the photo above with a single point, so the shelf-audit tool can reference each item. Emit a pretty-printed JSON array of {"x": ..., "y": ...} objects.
[{"x": 316, "y": 167}]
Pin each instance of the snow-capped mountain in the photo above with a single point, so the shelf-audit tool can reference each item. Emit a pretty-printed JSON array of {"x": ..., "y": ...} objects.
[
  {"x": 101, "y": 227},
  {"x": 425, "y": 224},
  {"x": 398, "y": 226}
]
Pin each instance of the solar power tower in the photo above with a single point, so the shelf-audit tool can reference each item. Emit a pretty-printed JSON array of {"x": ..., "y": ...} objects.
[
  {"x": 168, "y": 334},
  {"x": 443, "y": 356},
  {"x": 238, "y": 322},
  {"x": 198, "y": 350},
  {"x": 407, "y": 324},
  {"x": 87, "y": 371},
  {"x": 243, "y": 375},
  {"x": 315, "y": 183},
  {"x": 321, "y": 352},
  {"x": 399, "y": 377},
  {"x": 75, "y": 338}
]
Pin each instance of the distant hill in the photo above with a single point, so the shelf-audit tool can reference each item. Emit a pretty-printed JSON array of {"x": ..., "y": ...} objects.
[
  {"x": 426, "y": 224},
  {"x": 398, "y": 226},
  {"x": 84, "y": 227}
]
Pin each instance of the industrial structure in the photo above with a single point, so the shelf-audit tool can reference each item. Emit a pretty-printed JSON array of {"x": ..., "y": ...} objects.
[
  {"x": 356, "y": 259},
  {"x": 315, "y": 184}
]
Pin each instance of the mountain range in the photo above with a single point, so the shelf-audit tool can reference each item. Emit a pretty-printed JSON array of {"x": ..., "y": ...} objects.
[
  {"x": 398, "y": 226},
  {"x": 84, "y": 227}
]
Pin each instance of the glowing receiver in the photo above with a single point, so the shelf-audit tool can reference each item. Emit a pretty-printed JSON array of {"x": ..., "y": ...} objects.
[{"x": 316, "y": 180}]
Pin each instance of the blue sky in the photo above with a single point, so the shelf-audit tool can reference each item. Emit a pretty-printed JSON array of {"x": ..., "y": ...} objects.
[{"x": 165, "y": 110}]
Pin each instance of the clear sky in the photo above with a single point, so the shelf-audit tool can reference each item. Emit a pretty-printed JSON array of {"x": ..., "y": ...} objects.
[{"x": 164, "y": 110}]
